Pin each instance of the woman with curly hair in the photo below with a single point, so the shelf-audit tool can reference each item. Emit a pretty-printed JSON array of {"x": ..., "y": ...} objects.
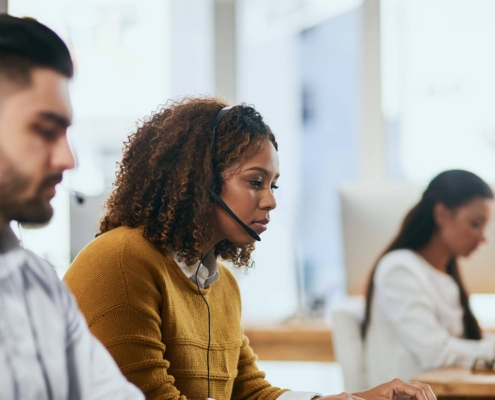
[{"x": 195, "y": 184}]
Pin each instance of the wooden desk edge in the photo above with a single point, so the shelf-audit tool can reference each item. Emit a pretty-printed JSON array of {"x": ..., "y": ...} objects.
[
  {"x": 455, "y": 382},
  {"x": 312, "y": 342},
  {"x": 287, "y": 343}
]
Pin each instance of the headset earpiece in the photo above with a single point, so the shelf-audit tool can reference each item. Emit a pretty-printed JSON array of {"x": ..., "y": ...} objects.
[{"x": 216, "y": 188}]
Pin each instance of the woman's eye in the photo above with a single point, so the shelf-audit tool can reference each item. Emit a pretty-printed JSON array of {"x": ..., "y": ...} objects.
[
  {"x": 255, "y": 183},
  {"x": 274, "y": 187}
]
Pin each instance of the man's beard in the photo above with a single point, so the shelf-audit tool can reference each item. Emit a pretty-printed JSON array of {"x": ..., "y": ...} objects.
[{"x": 36, "y": 210}]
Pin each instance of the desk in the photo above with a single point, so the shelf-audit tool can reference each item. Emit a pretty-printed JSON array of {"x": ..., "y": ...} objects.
[
  {"x": 455, "y": 383},
  {"x": 305, "y": 342},
  {"x": 300, "y": 342}
]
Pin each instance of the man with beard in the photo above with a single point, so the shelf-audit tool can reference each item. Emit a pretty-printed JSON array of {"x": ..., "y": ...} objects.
[{"x": 46, "y": 349}]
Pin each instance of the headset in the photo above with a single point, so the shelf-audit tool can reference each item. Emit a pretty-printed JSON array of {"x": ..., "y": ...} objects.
[
  {"x": 217, "y": 180},
  {"x": 77, "y": 196},
  {"x": 214, "y": 192}
]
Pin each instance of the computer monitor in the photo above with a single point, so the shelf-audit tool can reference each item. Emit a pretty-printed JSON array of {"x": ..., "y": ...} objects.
[
  {"x": 84, "y": 221},
  {"x": 371, "y": 216}
]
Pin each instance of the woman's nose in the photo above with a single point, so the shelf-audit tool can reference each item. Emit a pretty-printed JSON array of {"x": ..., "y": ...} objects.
[{"x": 268, "y": 201}]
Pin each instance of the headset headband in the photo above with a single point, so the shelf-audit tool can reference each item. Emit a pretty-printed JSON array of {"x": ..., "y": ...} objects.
[
  {"x": 219, "y": 117},
  {"x": 217, "y": 179}
]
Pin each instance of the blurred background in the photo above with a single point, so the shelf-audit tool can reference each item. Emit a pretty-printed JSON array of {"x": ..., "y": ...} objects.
[{"x": 369, "y": 100}]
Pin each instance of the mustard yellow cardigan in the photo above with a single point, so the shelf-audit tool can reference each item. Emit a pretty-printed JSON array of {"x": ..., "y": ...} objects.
[{"x": 153, "y": 321}]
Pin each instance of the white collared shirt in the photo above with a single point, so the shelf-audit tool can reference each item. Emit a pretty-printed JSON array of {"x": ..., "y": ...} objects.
[
  {"x": 46, "y": 349},
  {"x": 208, "y": 270}
]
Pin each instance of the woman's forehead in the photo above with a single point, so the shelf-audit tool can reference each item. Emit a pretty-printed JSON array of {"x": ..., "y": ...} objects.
[
  {"x": 477, "y": 206},
  {"x": 266, "y": 158}
]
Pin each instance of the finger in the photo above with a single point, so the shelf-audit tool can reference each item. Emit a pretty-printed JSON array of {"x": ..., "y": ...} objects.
[
  {"x": 410, "y": 389},
  {"x": 427, "y": 389}
]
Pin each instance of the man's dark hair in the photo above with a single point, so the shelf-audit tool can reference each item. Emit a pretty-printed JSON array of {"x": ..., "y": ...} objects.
[{"x": 26, "y": 44}]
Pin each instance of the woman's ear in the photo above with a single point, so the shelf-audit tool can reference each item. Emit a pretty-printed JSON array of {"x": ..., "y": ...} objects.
[{"x": 441, "y": 214}]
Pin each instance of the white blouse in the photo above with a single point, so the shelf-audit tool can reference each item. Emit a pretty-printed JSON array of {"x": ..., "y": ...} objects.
[{"x": 416, "y": 321}]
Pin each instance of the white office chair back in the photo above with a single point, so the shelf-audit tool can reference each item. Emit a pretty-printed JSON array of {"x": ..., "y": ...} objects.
[{"x": 348, "y": 343}]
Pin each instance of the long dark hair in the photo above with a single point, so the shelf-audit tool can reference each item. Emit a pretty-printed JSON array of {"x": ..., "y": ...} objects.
[{"x": 452, "y": 188}]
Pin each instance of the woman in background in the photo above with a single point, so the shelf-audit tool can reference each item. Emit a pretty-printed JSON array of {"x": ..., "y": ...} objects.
[
  {"x": 417, "y": 309},
  {"x": 150, "y": 286}
]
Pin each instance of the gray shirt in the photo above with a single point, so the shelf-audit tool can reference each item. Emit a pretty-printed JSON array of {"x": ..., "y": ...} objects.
[{"x": 46, "y": 349}]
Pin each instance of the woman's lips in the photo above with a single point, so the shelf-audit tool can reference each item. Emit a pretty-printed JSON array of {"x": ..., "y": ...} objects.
[{"x": 261, "y": 225}]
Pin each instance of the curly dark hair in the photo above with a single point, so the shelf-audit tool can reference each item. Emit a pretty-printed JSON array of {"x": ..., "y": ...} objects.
[{"x": 167, "y": 170}]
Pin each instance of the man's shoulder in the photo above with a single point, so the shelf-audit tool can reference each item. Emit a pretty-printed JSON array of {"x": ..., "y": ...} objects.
[
  {"x": 43, "y": 272},
  {"x": 41, "y": 283}
]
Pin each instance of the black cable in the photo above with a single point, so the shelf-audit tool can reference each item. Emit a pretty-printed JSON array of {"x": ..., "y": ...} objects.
[{"x": 209, "y": 326}]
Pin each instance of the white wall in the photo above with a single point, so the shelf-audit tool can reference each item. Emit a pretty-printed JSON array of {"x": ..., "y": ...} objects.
[
  {"x": 121, "y": 51},
  {"x": 268, "y": 78},
  {"x": 192, "y": 47},
  {"x": 178, "y": 49},
  {"x": 439, "y": 85}
]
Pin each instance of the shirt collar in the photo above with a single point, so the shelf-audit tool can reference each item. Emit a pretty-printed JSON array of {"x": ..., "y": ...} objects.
[
  {"x": 208, "y": 271},
  {"x": 8, "y": 239},
  {"x": 12, "y": 255}
]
